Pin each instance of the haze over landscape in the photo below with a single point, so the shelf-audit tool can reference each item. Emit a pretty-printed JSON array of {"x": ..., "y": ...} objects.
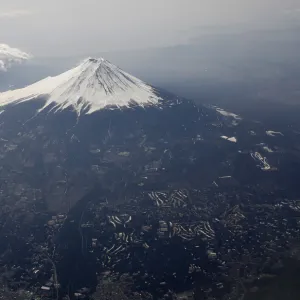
[{"x": 149, "y": 150}]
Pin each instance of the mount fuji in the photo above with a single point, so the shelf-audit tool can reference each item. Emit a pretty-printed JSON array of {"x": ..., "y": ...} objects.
[
  {"x": 96, "y": 107},
  {"x": 60, "y": 122},
  {"x": 93, "y": 85}
]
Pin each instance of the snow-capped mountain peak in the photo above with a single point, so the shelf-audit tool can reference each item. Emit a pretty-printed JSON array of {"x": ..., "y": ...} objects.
[
  {"x": 10, "y": 56},
  {"x": 92, "y": 85}
]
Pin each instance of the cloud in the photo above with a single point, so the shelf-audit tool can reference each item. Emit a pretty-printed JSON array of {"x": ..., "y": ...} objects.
[
  {"x": 14, "y": 14},
  {"x": 294, "y": 11},
  {"x": 10, "y": 56}
]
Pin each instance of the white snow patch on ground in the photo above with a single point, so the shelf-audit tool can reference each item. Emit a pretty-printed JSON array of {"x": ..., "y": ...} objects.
[
  {"x": 231, "y": 139},
  {"x": 91, "y": 86},
  {"x": 273, "y": 133},
  {"x": 263, "y": 164},
  {"x": 267, "y": 149},
  {"x": 228, "y": 114}
]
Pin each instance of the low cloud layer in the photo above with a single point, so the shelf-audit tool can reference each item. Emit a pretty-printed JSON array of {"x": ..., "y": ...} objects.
[
  {"x": 10, "y": 56},
  {"x": 14, "y": 14}
]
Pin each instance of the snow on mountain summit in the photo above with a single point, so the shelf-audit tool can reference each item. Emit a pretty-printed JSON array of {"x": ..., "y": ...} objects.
[
  {"x": 10, "y": 56},
  {"x": 92, "y": 85}
]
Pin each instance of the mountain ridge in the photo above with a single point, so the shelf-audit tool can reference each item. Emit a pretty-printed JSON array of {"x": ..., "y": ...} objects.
[{"x": 92, "y": 85}]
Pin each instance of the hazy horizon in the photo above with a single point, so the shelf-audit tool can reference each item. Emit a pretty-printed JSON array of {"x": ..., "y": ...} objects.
[{"x": 54, "y": 28}]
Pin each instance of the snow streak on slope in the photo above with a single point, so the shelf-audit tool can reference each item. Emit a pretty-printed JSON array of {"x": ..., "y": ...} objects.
[
  {"x": 10, "y": 56},
  {"x": 91, "y": 86},
  {"x": 228, "y": 114}
]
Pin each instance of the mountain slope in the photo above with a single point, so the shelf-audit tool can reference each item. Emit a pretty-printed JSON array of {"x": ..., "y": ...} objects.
[{"x": 91, "y": 86}]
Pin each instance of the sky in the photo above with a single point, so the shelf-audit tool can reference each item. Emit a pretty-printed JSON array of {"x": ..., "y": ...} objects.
[{"x": 73, "y": 27}]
